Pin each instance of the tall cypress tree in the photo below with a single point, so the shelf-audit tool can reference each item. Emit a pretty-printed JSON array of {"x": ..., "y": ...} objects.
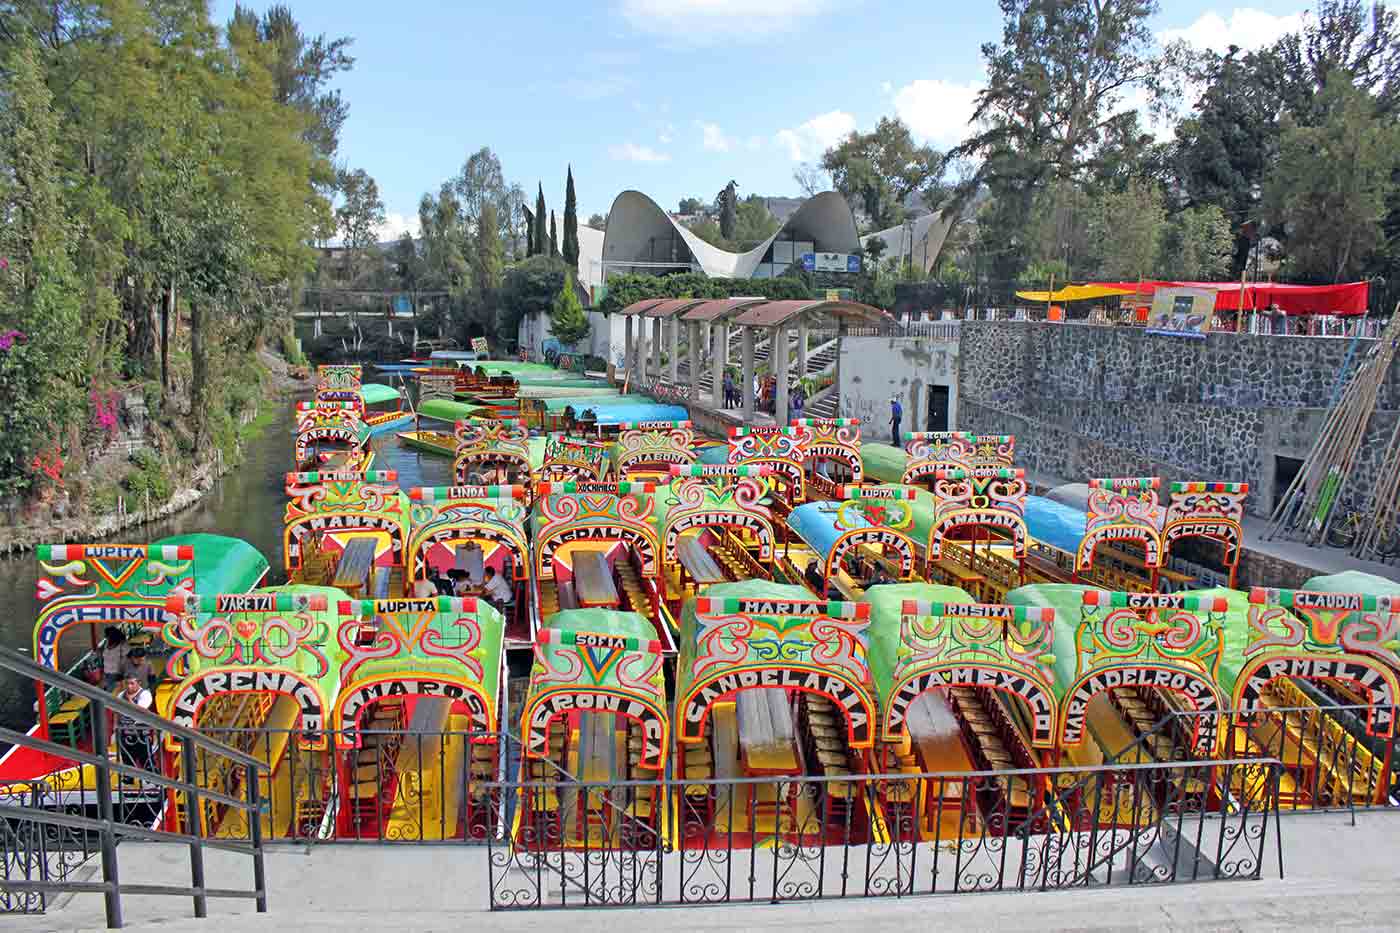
[
  {"x": 529, "y": 233},
  {"x": 553, "y": 236},
  {"x": 541, "y": 244},
  {"x": 570, "y": 221}
]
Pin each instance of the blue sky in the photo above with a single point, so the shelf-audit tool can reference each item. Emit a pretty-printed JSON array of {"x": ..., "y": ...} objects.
[{"x": 672, "y": 97}]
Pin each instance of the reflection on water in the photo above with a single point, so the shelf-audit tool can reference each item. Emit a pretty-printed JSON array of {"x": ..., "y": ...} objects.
[{"x": 247, "y": 504}]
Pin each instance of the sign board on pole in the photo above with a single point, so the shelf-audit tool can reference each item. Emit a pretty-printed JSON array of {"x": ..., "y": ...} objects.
[
  {"x": 830, "y": 262},
  {"x": 1181, "y": 312},
  {"x": 479, "y": 344}
]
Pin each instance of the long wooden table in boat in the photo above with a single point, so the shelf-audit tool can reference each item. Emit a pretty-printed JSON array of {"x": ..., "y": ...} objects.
[
  {"x": 698, "y": 562},
  {"x": 937, "y": 741},
  {"x": 1137, "y": 563},
  {"x": 593, "y": 581},
  {"x": 1112, "y": 733},
  {"x": 767, "y": 739},
  {"x": 964, "y": 576},
  {"x": 356, "y": 562}
]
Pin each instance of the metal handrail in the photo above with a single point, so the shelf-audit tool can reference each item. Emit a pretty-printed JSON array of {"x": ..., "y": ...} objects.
[{"x": 108, "y": 828}]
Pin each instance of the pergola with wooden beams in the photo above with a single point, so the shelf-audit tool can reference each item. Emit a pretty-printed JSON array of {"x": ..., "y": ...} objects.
[
  {"x": 783, "y": 318},
  {"x": 714, "y": 316}
]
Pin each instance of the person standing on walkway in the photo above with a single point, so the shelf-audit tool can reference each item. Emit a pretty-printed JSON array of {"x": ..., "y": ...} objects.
[
  {"x": 896, "y": 416},
  {"x": 728, "y": 389}
]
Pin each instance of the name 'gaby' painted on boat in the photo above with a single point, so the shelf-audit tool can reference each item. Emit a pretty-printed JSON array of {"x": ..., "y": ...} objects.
[{"x": 1173, "y": 641}]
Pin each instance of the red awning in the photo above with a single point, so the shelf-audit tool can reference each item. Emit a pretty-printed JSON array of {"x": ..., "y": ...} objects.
[{"x": 1350, "y": 298}]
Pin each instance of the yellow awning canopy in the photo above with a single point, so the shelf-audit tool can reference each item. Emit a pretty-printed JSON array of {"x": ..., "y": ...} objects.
[{"x": 1074, "y": 293}]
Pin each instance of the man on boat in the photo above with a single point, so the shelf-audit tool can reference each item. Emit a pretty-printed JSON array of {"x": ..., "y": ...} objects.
[
  {"x": 498, "y": 591},
  {"x": 133, "y": 739}
]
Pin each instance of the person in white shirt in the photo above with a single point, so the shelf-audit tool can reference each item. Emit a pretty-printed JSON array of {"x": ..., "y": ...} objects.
[
  {"x": 424, "y": 589},
  {"x": 134, "y": 740},
  {"x": 498, "y": 591}
]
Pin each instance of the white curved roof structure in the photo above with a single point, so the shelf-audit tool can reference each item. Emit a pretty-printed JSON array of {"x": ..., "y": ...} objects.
[
  {"x": 924, "y": 237},
  {"x": 643, "y": 237}
]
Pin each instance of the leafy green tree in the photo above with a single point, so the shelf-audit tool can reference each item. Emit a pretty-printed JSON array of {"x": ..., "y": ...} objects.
[
  {"x": 359, "y": 216},
  {"x": 40, "y": 360},
  {"x": 1198, "y": 245},
  {"x": 570, "y": 221},
  {"x": 567, "y": 320},
  {"x": 598, "y": 221},
  {"x": 301, "y": 68},
  {"x": 1359, "y": 40},
  {"x": 529, "y": 287},
  {"x": 1329, "y": 188},
  {"x": 1224, "y": 147},
  {"x": 1125, "y": 231},
  {"x": 480, "y": 183},
  {"x": 753, "y": 223},
  {"x": 541, "y": 234},
  {"x": 1052, "y": 110},
  {"x": 487, "y": 264},
  {"x": 880, "y": 170},
  {"x": 690, "y": 206},
  {"x": 727, "y": 203},
  {"x": 553, "y": 236}
]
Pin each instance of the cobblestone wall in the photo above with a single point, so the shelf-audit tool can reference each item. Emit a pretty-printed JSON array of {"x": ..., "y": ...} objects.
[{"x": 1112, "y": 401}]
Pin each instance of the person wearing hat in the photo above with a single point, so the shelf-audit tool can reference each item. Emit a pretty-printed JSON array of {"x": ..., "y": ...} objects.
[
  {"x": 138, "y": 667},
  {"x": 896, "y": 416}
]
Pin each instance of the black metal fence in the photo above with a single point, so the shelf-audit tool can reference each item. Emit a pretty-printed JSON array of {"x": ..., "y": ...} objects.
[
  {"x": 1328, "y": 757},
  {"x": 789, "y": 839},
  {"x": 379, "y": 786},
  {"x": 115, "y": 790}
]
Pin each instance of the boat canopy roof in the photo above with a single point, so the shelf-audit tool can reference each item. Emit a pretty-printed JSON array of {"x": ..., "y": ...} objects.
[
  {"x": 557, "y": 404},
  {"x": 815, "y": 523},
  {"x": 883, "y": 463},
  {"x": 713, "y": 454},
  {"x": 603, "y": 622},
  {"x": 886, "y": 621},
  {"x": 222, "y": 564},
  {"x": 447, "y": 410},
  {"x": 1353, "y": 581},
  {"x": 1054, "y": 523},
  {"x": 620, "y": 412},
  {"x": 374, "y": 392},
  {"x": 544, "y": 390}
]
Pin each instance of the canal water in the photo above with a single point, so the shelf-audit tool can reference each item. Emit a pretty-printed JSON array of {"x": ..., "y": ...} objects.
[{"x": 247, "y": 503}]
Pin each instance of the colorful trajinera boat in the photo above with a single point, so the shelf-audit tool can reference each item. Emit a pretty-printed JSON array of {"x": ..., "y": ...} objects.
[
  {"x": 956, "y": 637},
  {"x": 771, "y": 683},
  {"x": 595, "y": 712}
]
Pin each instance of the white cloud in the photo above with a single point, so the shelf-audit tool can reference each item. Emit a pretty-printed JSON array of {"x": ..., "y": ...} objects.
[
  {"x": 630, "y": 152},
  {"x": 809, "y": 140},
  {"x": 701, "y": 21},
  {"x": 713, "y": 138},
  {"x": 937, "y": 111},
  {"x": 396, "y": 225},
  {"x": 886, "y": 88},
  {"x": 1247, "y": 28}
]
